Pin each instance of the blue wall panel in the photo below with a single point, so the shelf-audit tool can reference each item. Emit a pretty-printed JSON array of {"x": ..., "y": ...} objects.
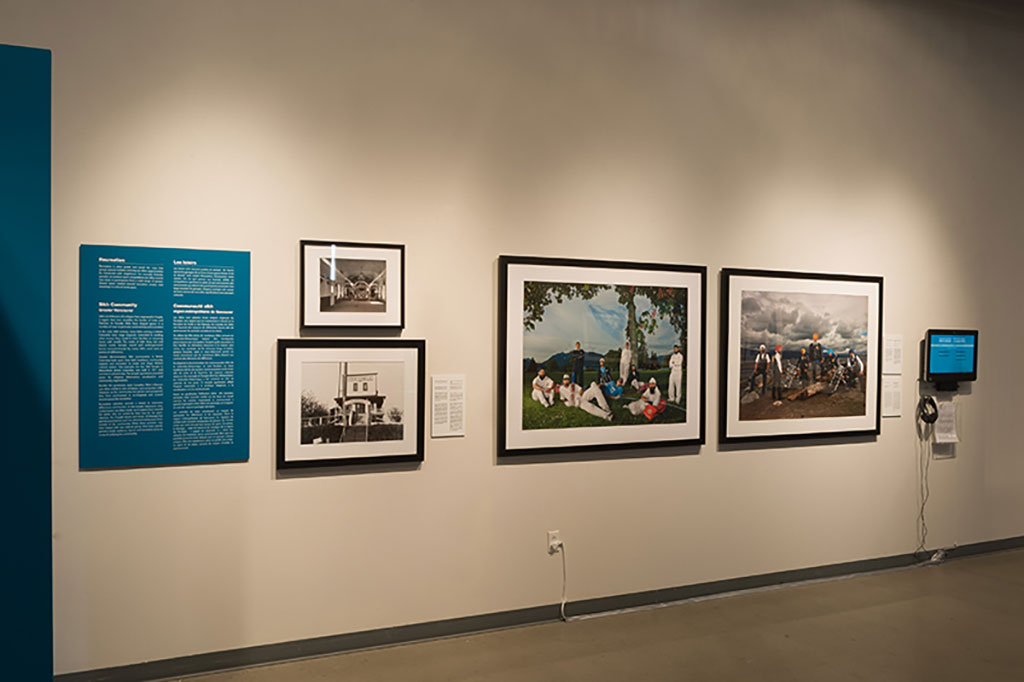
[{"x": 27, "y": 568}]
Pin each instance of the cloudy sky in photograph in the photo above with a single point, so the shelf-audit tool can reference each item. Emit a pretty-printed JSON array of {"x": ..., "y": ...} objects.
[
  {"x": 772, "y": 317},
  {"x": 598, "y": 324}
]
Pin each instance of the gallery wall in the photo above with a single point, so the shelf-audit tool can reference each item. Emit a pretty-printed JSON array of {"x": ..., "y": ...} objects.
[{"x": 850, "y": 137}]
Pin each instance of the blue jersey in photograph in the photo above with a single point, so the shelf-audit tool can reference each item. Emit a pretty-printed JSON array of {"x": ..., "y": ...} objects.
[{"x": 612, "y": 390}]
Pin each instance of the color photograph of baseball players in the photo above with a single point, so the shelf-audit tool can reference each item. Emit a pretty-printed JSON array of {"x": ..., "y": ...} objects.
[
  {"x": 603, "y": 355},
  {"x": 802, "y": 355}
]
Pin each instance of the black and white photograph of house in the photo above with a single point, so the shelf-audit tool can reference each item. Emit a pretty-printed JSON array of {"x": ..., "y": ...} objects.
[{"x": 352, "y": 402}]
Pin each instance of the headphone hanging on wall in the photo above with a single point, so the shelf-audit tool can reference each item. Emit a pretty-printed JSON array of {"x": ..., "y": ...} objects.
[{"x": 928, "y": 409}]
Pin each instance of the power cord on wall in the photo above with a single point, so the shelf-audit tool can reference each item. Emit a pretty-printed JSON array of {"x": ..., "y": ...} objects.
[
  {"x": 559, "y": 546},
  {"x": 561, "y": 550}
]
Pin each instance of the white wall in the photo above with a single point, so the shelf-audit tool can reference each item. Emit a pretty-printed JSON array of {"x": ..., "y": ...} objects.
[{"x": 838, "y": 136}]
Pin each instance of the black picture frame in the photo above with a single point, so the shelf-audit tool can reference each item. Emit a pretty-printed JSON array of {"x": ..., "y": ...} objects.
[
  {"x": 795, "y": 302},
  {"x": 372, "y": 306},
  {"x": 295, "y": 437},
  {"x": 684, "y": 285}
]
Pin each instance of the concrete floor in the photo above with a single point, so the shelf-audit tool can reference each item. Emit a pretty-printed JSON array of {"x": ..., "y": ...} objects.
[{"x": 963, "y": 620}]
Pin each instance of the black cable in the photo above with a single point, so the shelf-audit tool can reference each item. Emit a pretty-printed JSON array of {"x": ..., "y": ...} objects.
[{"x": 928, "y": 409}]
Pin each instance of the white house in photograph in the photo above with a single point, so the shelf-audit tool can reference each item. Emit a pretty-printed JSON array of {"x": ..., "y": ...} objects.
[{"x": 359, "y": 402}]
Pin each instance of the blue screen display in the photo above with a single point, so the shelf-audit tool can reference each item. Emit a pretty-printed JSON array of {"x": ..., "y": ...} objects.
[{"x": 951, "y": 354}]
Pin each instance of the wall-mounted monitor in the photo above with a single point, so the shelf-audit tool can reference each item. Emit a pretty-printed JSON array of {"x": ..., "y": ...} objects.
[{"x": 950, "y": 356}]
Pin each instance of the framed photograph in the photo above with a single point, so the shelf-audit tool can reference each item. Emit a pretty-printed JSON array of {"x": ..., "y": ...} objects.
[
  {"x": 351, "y": 285},
  {"x": 349, "y": 401},
  {"x": 599, "y": 355},
  {"x": 800, "y": 355}
]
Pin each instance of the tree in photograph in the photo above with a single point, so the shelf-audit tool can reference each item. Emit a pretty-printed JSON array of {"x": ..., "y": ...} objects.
[
  {"x": 671, "y": 304},
  {"x": 311, "y": 407},
  {"x": 627, "y": 297},
  {"x": 537, "y": 296},
  {"x": 666, "y": 302},
  {"x": 395, "y": 415}
]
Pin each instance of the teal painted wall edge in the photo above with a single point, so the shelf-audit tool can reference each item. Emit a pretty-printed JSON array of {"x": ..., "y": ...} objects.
[{"x": 25, "y": 303}]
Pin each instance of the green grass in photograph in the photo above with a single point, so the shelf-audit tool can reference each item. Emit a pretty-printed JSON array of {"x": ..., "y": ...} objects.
[{"x": 560, "y": 416}]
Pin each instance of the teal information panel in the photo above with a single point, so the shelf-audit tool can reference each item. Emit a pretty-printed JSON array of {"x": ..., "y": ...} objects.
[{"x": 163, "y": 356}]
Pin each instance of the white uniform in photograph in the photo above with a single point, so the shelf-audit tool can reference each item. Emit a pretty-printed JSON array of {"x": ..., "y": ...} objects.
[
  {"x": 633, "y": 380},
  {"x": 543, "y": 391},
  {"x": 675, "y": 376},
  {"x": 856, "y": 366},
  {"x": 594, "y": 402},
  {"x": 569, "y": 392},
  {"x": 624, "y": 361},
  {"x": 651, "y": 396}
]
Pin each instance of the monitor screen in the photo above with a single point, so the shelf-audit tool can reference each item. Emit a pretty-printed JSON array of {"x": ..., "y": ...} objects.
[{"x": 952, "y": 353}]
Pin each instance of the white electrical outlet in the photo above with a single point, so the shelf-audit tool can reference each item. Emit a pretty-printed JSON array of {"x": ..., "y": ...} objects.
[{"x": 554, "y": 541}]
